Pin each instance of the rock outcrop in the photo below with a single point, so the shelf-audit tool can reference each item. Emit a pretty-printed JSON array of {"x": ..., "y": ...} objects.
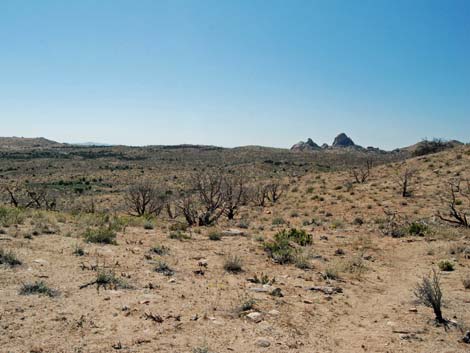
[
  {"x": 309, "y": 145},
  {"x": 342, "y": 140}
]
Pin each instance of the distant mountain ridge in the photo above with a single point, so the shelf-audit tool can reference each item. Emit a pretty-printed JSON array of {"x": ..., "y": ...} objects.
[{"x": 27, "y": 142}]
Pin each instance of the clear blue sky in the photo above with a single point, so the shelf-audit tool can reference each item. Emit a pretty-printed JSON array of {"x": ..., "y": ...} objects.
[{"x": 239, "y": 72}]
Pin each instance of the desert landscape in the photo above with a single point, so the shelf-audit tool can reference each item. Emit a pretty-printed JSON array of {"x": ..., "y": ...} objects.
[
  {"x": 236, "y": 176},
  {"x": 205, "y": 249}
]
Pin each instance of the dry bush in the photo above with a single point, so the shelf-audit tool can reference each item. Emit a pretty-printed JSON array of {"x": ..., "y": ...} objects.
[
  {"x": 30, "y": 196},
  {"x": 361, "y": 174},
  {"x": 457, "y": 200},
  {"x": 406, "y": 178},
  {"x": 144, "y": 198},
  {"x": 429, "y": 293}
]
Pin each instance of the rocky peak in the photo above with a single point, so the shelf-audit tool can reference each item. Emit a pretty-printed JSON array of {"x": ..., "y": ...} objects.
[
  {"x": 305, "y": 146},
  {"x": 342, "y": 140}
]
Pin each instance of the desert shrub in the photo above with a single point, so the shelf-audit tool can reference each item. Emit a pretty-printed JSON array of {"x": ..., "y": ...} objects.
[
  {"x": 281, "y": 250},
  {"x": 11, "y": 216},
  {"x": 215, "y": 235},
  {"x": 302, "y": 261},
  {"x": 233, "y": 264},
  {"x": 38, "y": 287},
  {"x": 300, "y": 237},
  {"x": 160, "y": 250},
  {"x": 277, "y": 221},
  {"x": 109, "y": 280},
  {"x": 148, "y": 225},
  {"x": 358, "y": 221},
  {"x": 244, "y": 224},
  {"x": 429, "y": 293},
  {"x": 179, "y": 235},
  {"x": 262, "y": 279},
  {"x": 78, "y": 250},
  {"x": 175, "y": 227},
  {"x": 417, "y": 228},
  {"x": 163, "y": 268},
  {"x": 446, "y": 265},
  {"x": 102, "y": 235},
  {"x": 9, "y": 258},
  {"x": 331, "y": 272},
  {"x": 247, "y": 304}
]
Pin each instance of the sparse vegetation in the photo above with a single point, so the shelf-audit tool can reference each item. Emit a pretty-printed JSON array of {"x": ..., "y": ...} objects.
[
  {"x": 38, "y": 287},
  {"x": 429, "y": 293},
  {"x": 9, "y": 258}
]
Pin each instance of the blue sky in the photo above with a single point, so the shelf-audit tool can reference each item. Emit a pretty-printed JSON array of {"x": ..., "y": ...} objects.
[{"x": 231, "y": 73}]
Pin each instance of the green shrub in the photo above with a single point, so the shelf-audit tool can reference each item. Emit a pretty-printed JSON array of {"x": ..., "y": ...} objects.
[
  {"x": 446, "y": 265},
  {"x": 281, "y": 250},
  {"x": 417, "y": 228},
  {"x": 300, "y": 237},
  {"x": 215, "y": 236},
  {"x": 102, "y": 235}
]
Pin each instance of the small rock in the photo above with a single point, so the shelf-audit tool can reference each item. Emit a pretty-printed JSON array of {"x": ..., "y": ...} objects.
[
  {"x": 171, "y": 280},
  {"x": 233, "y": 232},
  {"x": 41, "y": 262},
  {"x": 466, "y": 338},
  {"x": 255, "y": 317},
  {"x": 413, "y": 310},
  {"x": 274, "y": 312},
  {"x": 263, "y": 342}
]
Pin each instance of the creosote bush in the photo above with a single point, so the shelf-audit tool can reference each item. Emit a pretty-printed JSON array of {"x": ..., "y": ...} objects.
[
  {"x": 281, "y": 249},
  {"x": 446, "y": 265}
]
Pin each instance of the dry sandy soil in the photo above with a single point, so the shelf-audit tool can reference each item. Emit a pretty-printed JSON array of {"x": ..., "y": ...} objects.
[{"x": 199, "y": 308}]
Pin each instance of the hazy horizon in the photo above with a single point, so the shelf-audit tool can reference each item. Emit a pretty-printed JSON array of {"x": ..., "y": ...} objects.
[{"x": 237, "y": 73}]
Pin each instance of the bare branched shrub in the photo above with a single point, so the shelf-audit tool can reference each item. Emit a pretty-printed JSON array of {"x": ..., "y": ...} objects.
[
  {"x": 458, "y": 203},
  {"x": 361, "y": 173},
  {"x": 144, "y": 198},
  {"x": 30, "y": 196},
  {"x": 258, "y": 194},
  {"x": 274, "y": 191},
  {"x": 234, "y": 194},
  {"x": 406, "y": 178},
  {"x": 428, "y": 292},
  {"x": 204, "y": 202}
]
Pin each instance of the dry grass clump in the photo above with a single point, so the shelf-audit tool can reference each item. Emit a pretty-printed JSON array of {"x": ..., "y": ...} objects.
[{"x": 9, "y": 258}]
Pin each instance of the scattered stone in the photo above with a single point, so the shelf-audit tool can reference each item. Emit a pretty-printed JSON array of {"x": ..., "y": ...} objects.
[
  {"x": 263, "y": 342},
  {"x": 413, "y": 310},
  {"x": 466, "y": 338},
  {"x": 326, "y": 289},
  {"x": 274, "y": 312},
  {"x": 233, "y": 232},
  {"x": 41, "y": 262},
  {"x": 255, "y": 317},
  {"x": 323, "y": 237}
]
